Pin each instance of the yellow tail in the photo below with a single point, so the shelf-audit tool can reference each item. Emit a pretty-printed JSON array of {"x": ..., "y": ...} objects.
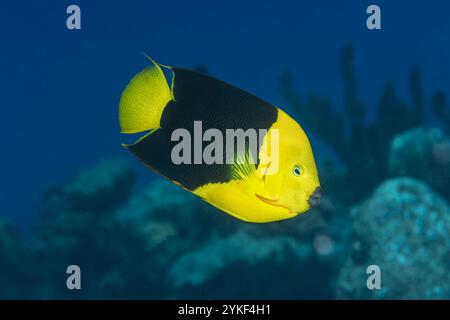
[{"x": 143, "y": 100}]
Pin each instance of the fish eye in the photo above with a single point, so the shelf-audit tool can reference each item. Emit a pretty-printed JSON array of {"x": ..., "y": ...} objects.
[{"x": 297, "y": 170}]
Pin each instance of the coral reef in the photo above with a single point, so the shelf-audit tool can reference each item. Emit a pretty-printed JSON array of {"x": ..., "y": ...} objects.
[
  {"x": 361, "y": 146},
  {"x": 81, "y": 225},
  {"x": 422, "y": 153},
  {"x": 404, "y": 224},
  {"x": 16, "y": 269},
  {"x": 403, "y": 228},
  {"x": 158, "y": 241},
  {"x": 100, "y": 188},
  {"x": 438, "y": 105},
  {"x": 241, "y": 265}
]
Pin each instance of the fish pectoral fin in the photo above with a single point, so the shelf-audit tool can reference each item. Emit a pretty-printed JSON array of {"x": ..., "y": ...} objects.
[{"x": 243, "y": 166}]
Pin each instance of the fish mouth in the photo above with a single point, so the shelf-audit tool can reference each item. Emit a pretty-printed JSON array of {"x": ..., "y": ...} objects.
[
  {"x": 314, "y": 198},
  {"x": 272, "y": 202}
]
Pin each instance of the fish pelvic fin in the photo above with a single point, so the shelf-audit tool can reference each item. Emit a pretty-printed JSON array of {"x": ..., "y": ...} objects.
[{"x": 144, "y": 99}]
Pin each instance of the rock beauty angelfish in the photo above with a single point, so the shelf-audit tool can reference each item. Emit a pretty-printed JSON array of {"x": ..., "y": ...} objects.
[{"x": 260, "y": 190}]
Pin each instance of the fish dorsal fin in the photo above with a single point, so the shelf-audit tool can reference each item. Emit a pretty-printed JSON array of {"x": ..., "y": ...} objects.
[{"x": 243, "y": 166}]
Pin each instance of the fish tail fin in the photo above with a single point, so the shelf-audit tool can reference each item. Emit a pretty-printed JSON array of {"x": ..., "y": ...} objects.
[{"x": 143, "y": 100}]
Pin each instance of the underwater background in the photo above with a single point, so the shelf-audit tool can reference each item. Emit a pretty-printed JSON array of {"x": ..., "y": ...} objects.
[{"x": 373, "y": 102}]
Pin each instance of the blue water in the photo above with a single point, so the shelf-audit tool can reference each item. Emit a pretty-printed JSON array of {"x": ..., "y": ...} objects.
[{"x": 60, "y": 88}]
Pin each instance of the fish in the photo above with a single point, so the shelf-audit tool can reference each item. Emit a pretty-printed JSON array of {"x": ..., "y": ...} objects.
[{"x": 276, "y": 180}]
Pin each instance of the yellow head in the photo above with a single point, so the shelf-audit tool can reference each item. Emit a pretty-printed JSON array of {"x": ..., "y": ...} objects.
[{"x": 292, "y": 181}]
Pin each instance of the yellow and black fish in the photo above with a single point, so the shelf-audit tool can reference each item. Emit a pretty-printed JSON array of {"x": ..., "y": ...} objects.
[{"x": 260, "y": 190}]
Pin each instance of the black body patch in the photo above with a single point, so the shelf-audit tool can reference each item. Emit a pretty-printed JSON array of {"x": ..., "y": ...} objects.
[{"x": 199, "y": 97}]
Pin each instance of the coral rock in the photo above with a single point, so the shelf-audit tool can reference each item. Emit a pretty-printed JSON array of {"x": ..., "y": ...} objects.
[
  {"x": 403, "y": 228},
  {"x": 422, "y": 153}
]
